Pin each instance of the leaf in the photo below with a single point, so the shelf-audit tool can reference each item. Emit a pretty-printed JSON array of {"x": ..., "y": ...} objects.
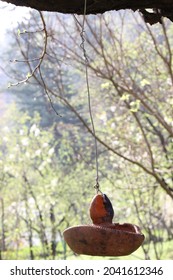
[
  {"x": 145, "y": 82},
  {"x": 18, "y": 32},
  {"x": 29, "y": 75},
  {"x": 125, "y": 97},
  {"x": 105, "y": 85},
  {"x": 135, "y": 106}
]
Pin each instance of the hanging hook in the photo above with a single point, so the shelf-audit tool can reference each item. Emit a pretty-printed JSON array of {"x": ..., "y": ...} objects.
[{"x": 97, "y": 187}]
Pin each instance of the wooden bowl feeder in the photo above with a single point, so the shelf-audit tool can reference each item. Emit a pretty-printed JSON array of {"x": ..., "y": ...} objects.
[{"x": 103, "y": 238}]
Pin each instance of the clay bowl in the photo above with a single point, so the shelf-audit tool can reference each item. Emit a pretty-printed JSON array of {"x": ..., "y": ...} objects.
[
  {"x": 100, "y": 240},
  {"x": 103, "y": 238}
]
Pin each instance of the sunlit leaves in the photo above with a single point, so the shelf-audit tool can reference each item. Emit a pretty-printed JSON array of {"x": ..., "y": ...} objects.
[{"x": 134, "y": 106}]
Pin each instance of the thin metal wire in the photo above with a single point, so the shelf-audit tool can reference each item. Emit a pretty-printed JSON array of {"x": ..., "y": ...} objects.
[{"x": 97, "y": 186}]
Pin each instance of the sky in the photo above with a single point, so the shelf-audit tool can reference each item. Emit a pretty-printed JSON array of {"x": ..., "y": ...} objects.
[{"x": 9, "y": 16}]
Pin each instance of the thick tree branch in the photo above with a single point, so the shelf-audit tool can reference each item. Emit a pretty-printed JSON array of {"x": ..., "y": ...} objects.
[{"x": 101, "y": 6}]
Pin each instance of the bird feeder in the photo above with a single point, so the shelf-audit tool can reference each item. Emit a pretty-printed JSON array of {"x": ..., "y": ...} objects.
[{"x": 103, "y": 237}]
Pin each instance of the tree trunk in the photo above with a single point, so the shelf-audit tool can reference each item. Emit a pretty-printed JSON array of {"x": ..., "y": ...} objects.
[
  {"x": 93, "y": 6},
  {"x": 53, "y": 232},
  {"x": 3, "y": 245}
]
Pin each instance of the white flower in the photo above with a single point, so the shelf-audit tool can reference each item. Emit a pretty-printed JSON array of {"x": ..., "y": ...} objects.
[
  {"x": 113, "y": 125},
  {"x": 25, "y": 141},
  {"x": 38, "y": 152},
  {"x": 54, "y": 182},
  {"x": 6, "y": 129},
  {"x": 51, "y": 151},
  {"x": 5, "y": 139},
  {"x": 21, "y": 132},
  {"x": 27, "y": 154},
  {"x": 113, "y": 108},
  {"x": 45, "y": 145},
  {"x": 11, "y": 156},
  {"x": 35, "y": 130}
]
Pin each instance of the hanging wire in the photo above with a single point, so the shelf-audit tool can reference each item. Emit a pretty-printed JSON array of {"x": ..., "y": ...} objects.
[{"x": 82, "y": 34}]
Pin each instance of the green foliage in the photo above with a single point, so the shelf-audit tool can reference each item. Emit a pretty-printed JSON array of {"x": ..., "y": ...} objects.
[
  {"x": 33, "y": 181},
  {"x": 47, "y": 162}
]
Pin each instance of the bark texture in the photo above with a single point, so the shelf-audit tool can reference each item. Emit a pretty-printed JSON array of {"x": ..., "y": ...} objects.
[
  {"x": 161, "y": 8},
  {"x": 93, "y": 6}
]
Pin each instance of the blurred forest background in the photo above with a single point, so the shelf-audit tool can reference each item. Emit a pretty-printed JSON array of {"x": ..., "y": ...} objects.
[{"x": 47, "y": 153}]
